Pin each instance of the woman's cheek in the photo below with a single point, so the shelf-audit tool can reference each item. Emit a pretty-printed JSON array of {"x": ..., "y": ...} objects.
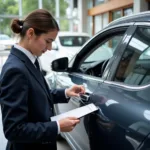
[{"x": 42, "y": 44}]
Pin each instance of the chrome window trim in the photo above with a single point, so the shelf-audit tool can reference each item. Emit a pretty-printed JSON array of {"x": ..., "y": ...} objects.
[
  {"x": 132, "y": 87},
  {"x": 142, "y": 23},
  {"x": 87, "y": 77}
]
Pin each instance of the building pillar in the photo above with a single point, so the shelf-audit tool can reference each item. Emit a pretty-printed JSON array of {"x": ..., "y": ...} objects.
[
  {"x": 40, "y": 4},
  {"x": 57, "y": 11},
  {"x": 140, "y": 5},
  {"x": 20, "y": 9},
  {"x": 71, "y": 19},
  {"x": 82, "y": 15}
]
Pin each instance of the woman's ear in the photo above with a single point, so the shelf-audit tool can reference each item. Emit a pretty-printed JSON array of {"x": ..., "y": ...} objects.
[{"x": 30, "y": 33}]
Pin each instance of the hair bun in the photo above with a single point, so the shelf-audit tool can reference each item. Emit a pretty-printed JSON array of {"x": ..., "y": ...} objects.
[
  {"x": 16, "y": 25},
  {"x": 20, "y": 22}
]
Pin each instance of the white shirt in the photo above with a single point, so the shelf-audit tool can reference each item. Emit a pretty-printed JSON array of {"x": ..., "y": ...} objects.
[
  {"x": 26, "y": 52},
  {"x": 33, "y": 58}
]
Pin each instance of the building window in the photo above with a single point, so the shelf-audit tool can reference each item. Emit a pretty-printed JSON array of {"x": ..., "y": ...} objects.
[
  {"x": 89, "y": 4},
  {"x": 100, "y": 21},
  {"x": 121, "y": 12},
  {"x": 116, "y": 14},
  {"x": 128, "y": 11},
  {"x": 90, "y": 25},
  {"x": 98, "y": 2}
]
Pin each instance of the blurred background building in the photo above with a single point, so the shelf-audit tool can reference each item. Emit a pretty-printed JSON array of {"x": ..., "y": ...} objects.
[
  {"x": 72, "y": 15},
  {"x": 102, "y": 12}
]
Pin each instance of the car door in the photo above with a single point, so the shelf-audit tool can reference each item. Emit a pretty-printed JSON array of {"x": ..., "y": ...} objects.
[
  {"x": 123, "y": 121},
  {"x": 87, "y": 69}
]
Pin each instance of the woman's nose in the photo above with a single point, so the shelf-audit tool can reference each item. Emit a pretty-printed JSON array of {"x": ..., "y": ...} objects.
[{"x": 49, "y": 47}]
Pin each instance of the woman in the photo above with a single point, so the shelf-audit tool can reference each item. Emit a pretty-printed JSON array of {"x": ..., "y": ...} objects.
[{"x": 26, "y": 101}]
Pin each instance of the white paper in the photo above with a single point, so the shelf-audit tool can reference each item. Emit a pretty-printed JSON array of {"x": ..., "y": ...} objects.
[{"x": 78, "y": 112}]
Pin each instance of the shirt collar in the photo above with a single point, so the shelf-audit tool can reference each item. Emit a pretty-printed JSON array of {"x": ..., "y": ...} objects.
[{"x": 26, "y": 52}]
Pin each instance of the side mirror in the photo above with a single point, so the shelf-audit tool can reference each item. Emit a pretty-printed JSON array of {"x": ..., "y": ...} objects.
[
  {"x": 54, "y": 46},
  {"x": 60, "y": 65}
]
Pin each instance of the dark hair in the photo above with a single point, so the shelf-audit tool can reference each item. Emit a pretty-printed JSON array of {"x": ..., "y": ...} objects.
[{"x": 40, "y": 20}]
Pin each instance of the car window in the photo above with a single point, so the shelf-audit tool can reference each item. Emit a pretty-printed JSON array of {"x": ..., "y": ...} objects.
[
  {"x": 73, "y": 40},
  {"x": 134, "y": 67},
  {"x": 4, "y": 37},
  {"x": 95, "y": 62}
]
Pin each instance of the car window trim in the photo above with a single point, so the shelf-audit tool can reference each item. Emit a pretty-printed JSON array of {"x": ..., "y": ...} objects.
[
  {"x": 142, "y": 24},
  {"x": 107, "y": 32},
  {"x": 87, "y": 77},
  {"x": 74, "y": 59},
  {"x": 126, "y": 86},
  {"x": 104, "y": 33}
]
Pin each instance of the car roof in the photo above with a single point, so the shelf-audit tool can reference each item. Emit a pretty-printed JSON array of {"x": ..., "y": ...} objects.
[
  {"x": 65, "y": 33},
  {"x": 139, "y": 17}
]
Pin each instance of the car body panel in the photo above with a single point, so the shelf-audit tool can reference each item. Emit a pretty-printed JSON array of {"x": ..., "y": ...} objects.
[
  {"x": 124, "y": 116},
  {"x": 122, "y": 121},
  {"x": 65, "y": 80},
  {"x": 6, "y": 42},
  {"x": 145, "y": 145}
]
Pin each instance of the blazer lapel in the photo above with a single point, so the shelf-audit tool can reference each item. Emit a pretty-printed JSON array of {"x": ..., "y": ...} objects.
[{"x": 37, "y": 75}]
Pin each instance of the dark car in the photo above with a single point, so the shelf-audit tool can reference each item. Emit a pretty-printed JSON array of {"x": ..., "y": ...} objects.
[{"x": 114, "y": 67}]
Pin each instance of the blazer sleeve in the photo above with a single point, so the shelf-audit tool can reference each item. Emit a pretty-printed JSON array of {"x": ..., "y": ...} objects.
[
  {"x": 14, "y": 106},
  {"x": 58, "y": 96}
]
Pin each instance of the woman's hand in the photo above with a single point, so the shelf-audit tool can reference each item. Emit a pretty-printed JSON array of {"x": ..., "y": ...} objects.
[
  {"x": 68, "y": 124},
  {"x": 75, "y": 90}
]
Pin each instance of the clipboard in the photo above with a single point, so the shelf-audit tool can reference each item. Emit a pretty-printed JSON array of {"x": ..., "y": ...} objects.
[{"x": 78, "y": 112}]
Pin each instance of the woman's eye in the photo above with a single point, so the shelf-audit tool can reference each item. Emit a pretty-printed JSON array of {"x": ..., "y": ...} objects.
[{"x": 47, "y": 42}]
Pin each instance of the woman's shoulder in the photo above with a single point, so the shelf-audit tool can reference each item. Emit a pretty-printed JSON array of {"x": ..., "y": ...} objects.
[{"x": 13, "y": 65}]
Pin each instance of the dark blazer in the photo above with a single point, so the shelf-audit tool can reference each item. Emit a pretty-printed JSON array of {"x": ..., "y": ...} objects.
[{"x": 27, "y": 105}]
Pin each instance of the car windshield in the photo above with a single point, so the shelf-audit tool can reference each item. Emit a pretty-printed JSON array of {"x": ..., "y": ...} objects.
[
  {"x": 4, "y": 37},
  {"x": 73, "y": 40}
]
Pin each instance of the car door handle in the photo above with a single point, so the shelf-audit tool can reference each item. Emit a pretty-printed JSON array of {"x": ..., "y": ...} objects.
[
  {"x": 101, "y": 116},
  {"x": 84, "y": 97}
]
